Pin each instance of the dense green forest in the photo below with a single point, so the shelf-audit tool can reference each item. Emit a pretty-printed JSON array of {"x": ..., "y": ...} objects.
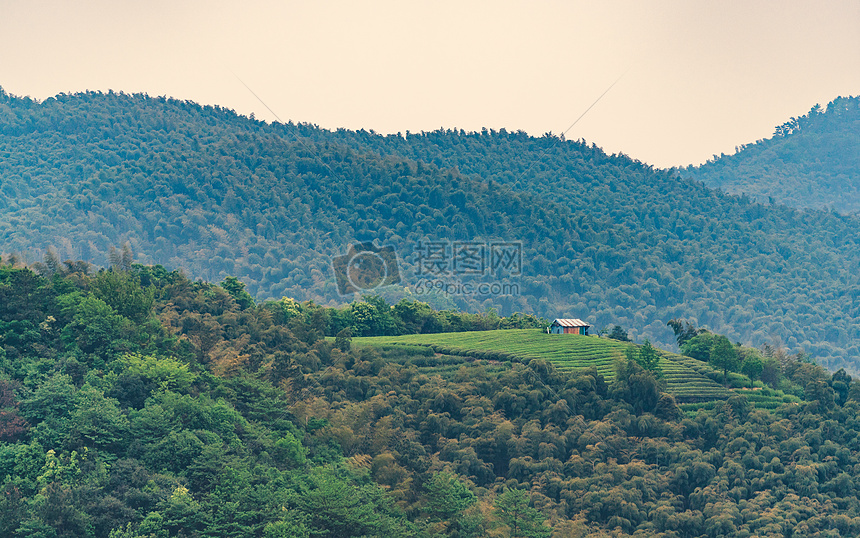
[
  {"x": 604, "y": 238},
  {"x": 810, "y": 162},
  {"x": 136, "y": 403}
]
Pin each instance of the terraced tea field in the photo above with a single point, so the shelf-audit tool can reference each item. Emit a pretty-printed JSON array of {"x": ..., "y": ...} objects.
[{"x": 687, "y": 379}]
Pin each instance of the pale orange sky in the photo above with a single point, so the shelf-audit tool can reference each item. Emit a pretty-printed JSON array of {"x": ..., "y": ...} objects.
[{"x": 698, "y": 79}]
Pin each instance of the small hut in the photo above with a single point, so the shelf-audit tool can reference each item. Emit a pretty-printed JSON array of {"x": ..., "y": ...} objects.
[{"x": 569, "y": 326}]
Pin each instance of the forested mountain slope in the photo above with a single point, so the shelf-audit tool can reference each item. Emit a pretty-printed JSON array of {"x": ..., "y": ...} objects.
[
  {"x": 604, "y": 238},
  {"x": 811, "y": 161}
]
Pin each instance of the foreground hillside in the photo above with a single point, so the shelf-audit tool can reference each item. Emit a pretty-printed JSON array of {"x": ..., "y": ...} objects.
[
  {"x": 811, "y": 162},
  {"x": 603, "y": 238},
  {"x": 135, "y": 403},
  {"x": 565, "y": 352},
  {"x": 691, "y": 382}
]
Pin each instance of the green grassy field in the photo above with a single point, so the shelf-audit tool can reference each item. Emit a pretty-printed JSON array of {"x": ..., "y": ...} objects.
[
  {"x": 694, "y": 384},
  {"x": 686, "y": 378}
]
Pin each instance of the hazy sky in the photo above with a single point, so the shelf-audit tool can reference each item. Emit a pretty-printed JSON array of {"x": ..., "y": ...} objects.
[{"x": 697, "y": 78}]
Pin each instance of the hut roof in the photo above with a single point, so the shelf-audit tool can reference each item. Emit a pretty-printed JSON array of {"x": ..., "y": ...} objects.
[{"x": 571, "y": 323}]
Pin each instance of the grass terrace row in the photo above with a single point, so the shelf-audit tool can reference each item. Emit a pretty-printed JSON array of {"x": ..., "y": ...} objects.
[{"x": 687, "y": 379}]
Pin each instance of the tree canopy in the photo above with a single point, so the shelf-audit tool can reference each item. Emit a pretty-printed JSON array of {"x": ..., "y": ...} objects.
[{"x": 812, "y": 161}]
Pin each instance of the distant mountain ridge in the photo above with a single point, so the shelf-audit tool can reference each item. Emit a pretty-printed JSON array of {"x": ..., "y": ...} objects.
[
  {"x": 811, "y": 162},
  {"x": 604, "y": 238}
]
